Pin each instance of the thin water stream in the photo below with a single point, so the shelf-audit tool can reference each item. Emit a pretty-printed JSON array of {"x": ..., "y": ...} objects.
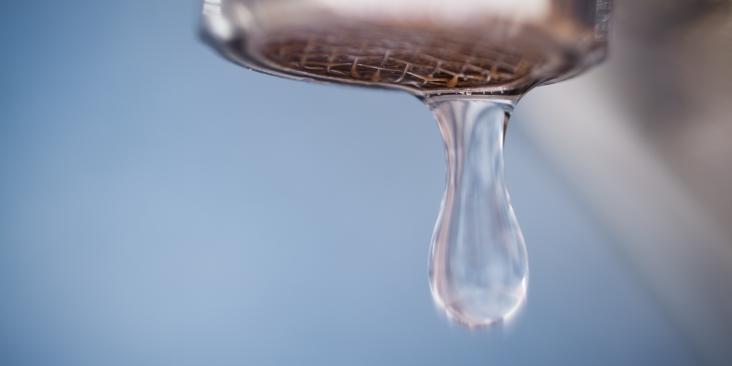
[{"x": 478, "y": 263}]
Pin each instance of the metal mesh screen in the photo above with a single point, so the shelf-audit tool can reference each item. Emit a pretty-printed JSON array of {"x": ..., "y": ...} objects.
[{"x": 419, "y": 60}]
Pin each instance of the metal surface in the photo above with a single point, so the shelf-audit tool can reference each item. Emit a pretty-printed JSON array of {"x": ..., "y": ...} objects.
[{"x": 423, "y": 47}]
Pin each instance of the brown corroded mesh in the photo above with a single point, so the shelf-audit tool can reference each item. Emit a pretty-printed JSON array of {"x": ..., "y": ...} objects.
[{"x": 417, "y": 60}]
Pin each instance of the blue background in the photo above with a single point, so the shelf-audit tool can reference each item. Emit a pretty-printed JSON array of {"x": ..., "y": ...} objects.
[{"x": 160, "y": 206}]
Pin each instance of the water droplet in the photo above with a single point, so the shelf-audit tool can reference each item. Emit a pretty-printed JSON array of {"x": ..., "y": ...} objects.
[{"x": 478, "y": 262}]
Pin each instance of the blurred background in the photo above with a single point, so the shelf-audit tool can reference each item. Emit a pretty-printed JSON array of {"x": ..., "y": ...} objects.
[{"x": 161, "y": 206}]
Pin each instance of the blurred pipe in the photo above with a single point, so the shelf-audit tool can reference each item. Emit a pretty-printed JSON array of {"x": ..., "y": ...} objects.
[{"x": 629, "y": 161}]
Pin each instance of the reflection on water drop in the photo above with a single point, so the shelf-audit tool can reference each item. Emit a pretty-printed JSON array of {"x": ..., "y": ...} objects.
[{"x": 478, "y": 263}]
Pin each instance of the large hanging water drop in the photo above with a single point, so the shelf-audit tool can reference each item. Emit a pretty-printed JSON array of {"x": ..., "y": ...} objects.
[{"x": 478, "y": 263}]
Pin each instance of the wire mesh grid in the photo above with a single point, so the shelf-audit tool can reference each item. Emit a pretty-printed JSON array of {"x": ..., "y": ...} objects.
[{"x": 419, "y": 60}]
